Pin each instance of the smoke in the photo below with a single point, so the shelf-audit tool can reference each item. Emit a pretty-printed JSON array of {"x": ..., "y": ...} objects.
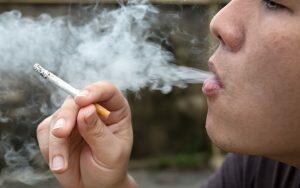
[
  {"x": 115, "y": 45},
  {"x": 24, "y": 163},
  {"x": 23, "y": 103}
]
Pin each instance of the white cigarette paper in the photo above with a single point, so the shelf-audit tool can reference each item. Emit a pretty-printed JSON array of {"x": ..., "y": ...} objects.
[
  {"x": 66, "y": 87},
  {"x": 56, "y": 80}
]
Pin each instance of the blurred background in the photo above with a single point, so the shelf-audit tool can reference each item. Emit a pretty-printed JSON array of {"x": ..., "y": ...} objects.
[{"x": 171, "y": 148}]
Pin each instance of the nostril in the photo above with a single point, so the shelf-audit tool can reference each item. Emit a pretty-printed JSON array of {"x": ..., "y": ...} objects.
[{"x": 220, "y": 39}]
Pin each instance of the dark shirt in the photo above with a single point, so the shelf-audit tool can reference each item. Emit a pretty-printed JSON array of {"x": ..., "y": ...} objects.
[{"x": 242, "y": 171}]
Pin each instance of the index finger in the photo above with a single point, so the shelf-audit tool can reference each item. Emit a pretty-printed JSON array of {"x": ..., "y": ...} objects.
[
  {"x": 64, "y": 119},
  {"x": 104, "y": 93}
]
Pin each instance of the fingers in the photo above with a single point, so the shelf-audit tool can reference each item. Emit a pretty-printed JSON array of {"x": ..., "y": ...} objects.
[
  {"x": 61, "y": 126},
  {"x": 58, "y": 153},
  {"x": 100, "y": 139},
  {"x": 53, "y": 149},
  {"x": 103, "y": 92},
  {"x": 42, "y": 133},
  {"x": 64, "y": 119},
  {"x": 108, "y": 96}
]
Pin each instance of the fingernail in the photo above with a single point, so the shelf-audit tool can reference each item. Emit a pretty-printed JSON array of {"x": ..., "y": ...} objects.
[
  {"x": 83, "y": 93},
  {"x": 59, "y": 123},
  {"x": 58, "y": 162}
]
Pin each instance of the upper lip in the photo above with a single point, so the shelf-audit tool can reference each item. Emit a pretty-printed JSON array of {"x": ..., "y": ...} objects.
[{"x": 213, "y": 69}]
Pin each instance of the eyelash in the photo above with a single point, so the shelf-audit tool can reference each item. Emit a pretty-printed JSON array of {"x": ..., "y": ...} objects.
[{"x": 271, "y": 5}]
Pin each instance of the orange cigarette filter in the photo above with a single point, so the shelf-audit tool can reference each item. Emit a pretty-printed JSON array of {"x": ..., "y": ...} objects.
[{"x": 103, "y": 112}]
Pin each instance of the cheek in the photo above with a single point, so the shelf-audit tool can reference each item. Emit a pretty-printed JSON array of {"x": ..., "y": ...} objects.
[
  {"x": 270, "y": 76},
  {"x": 262, "y": 96},
  {"x": 273, "y": 69}
]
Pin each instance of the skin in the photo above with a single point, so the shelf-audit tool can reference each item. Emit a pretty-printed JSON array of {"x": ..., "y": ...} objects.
[
  {"x": 255, "y": 112},
  {"x": 95, "y": 151},
  {"x": 258, "y": 61}
]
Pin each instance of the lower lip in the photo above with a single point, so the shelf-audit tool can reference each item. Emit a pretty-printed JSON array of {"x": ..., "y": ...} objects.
[{"x": 211, "y": 86}]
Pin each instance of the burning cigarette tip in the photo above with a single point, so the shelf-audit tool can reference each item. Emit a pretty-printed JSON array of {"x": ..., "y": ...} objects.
[{"x": 43, "y": 72}]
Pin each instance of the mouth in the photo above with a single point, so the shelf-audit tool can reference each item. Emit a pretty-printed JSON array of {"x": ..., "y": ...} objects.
[{"x": 212, "y": 85}]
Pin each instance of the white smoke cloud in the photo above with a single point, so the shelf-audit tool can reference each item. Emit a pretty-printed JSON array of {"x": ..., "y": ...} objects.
[{"x": 114, "y": 46}]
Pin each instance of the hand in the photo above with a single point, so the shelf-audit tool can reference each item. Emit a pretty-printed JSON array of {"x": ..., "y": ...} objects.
[{"x": 83, "y": 150}]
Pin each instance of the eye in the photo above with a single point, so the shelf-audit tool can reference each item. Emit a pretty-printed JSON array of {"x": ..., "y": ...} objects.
[{"x": 272, "y": 5}]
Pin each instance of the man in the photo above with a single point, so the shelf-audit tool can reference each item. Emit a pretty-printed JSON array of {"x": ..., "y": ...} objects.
[{"x": 254, "y": 108}]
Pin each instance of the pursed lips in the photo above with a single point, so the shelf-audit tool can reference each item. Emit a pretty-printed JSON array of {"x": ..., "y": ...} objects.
[{"x": 212, "y": 85}]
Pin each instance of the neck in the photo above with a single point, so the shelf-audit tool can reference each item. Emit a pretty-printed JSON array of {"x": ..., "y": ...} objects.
[{"x": 292, "y": 159}]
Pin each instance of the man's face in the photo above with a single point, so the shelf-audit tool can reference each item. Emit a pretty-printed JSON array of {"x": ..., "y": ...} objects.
[{"x": 257, "y": 108}]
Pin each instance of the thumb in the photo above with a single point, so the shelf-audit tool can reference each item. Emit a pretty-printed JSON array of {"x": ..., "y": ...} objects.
[{"x": 102, "y": 142}]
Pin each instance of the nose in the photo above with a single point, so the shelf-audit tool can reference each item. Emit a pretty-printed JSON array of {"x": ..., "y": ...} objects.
[{"x": 228, "y": 26}]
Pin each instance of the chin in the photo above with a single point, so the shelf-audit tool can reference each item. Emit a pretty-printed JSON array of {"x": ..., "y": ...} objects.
[{"x": 218, "y": 135}]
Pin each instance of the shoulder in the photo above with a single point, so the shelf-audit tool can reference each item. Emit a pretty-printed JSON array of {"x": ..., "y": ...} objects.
[
  {"x": 229, "y": 175},
  {"x": 253, "y": 171}
]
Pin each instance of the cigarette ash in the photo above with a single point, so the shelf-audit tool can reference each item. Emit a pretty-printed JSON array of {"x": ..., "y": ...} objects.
[
  {"x": 117, "y": 45},
  {"x": 44, "y": 73}
]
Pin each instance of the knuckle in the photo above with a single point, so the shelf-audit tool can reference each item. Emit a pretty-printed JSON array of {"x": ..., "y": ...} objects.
[
  {"x": 107, "y": 85},
  {"x": 70, "y": 104},
  {"x": 43, "y": 126},
  {"x": 59, "y": 113},
  {"x": 98, "y": 129},
  {"x": 69, "y": 101},
  {"x": 57, "y": 142},
  {"x": 80, "y": 117},
  {"x": 63, "y": 112}
]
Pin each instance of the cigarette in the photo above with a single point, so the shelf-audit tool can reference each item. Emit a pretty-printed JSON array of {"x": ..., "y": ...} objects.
[{"x": 66, "y": 87}]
